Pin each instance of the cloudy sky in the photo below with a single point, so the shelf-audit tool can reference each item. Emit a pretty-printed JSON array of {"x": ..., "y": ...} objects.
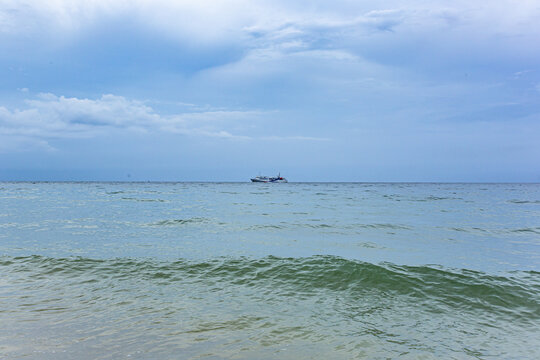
[{"x": 383, "y": 90}]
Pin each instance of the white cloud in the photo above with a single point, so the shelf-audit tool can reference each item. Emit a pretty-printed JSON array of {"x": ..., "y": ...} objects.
[
  {"x": 57, "y": 116},
  {"x": 258, "y": 24},
  {"x": 50, "y": 116},
  {"x": 23, "y": 143},
  {"x": 183, "y": 19}
]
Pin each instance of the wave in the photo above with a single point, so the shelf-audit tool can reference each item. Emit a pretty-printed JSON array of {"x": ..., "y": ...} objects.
[
  {"x": 527, "y": 230},
  {"x": 326, "y": 226},
  {"x": 515, "y": 295},
  {"x": 436, "y": 198},
  {"x": 178, "y": 222},
  {"x": 143, "y": 200},
  {"x": 516, "y": 201}
]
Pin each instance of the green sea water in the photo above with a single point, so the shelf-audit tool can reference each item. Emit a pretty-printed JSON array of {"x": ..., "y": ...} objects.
[{"x": 269, "y": 271}]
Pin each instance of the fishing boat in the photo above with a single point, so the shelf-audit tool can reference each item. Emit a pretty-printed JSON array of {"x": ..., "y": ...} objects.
[{"x": 269, "y": 179}]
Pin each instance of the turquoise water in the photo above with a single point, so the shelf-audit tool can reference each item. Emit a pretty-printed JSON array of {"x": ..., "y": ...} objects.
[{"x": 269, "y": 271}]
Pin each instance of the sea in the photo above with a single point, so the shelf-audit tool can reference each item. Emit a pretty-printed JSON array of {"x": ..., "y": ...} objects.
[{"x": 147, "y": 270}]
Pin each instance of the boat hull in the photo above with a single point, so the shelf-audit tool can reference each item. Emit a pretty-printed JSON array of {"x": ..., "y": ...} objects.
[{"x": 265, "y": 179}]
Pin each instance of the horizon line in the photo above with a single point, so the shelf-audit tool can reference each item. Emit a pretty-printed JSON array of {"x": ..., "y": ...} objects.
[{"x": 249, "y": 182}]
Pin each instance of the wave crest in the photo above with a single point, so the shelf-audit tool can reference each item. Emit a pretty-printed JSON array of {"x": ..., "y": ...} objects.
[{"x": 435, "y": 288}]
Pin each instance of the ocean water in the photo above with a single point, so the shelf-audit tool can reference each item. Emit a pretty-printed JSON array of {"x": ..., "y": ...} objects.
[{"x": 269, "y": 271}]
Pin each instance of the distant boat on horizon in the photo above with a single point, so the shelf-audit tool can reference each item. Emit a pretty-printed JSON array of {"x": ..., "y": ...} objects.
[{"x": 269, "y": 179}]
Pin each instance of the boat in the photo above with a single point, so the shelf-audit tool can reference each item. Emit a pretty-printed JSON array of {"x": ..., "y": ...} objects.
[{"x": 269, "y": 179}]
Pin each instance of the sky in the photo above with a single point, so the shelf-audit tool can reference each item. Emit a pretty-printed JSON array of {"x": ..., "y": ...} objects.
[{"x": 224, "y": 90}]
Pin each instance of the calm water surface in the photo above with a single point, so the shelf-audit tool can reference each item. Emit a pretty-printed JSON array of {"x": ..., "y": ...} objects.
[{"x": 269, "y": 271}]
